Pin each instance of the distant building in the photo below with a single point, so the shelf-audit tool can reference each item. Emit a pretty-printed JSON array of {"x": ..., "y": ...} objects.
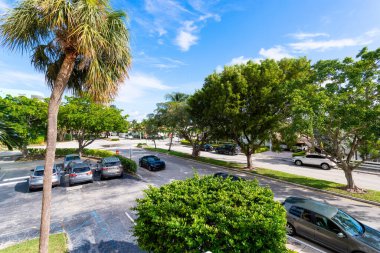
[{"x": 25, "y": 93}]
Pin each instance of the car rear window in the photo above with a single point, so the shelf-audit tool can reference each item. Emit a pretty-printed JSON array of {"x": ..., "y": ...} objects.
[
  {"x": 72, "y": 158},
  {"x": 108, "y": 164},
  {"x": 40, "y": 173},
  {"x": 82, "y": 169}
]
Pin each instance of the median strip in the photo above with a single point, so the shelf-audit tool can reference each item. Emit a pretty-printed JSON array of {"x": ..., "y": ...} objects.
[{"x": 371, "y": 196}]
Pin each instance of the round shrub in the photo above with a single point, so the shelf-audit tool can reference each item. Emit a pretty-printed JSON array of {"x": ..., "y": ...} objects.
[{"x": 210, "y": 214}]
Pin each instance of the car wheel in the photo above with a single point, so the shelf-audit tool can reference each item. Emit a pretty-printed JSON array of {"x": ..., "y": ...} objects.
[
  {"x": 230, "y": 153},
  {"x": 325, "y": 166},
  {"x": 121, "y": 174},
  {"x": 290, "y": 230},
  {"x": 140, "y": 164},
  {"x": 149, "y": 168},
  {"x": 298, "y": 163},
  {"x": 92, "y": 181}
]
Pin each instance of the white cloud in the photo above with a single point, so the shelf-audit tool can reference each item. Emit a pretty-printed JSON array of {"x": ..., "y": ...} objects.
[
  {"x": 138, "y": 85},
  {"x": 276, "y": 53},
  {"x": 21, "y": 79},
  {"x": 185, "y": 38},
  {"x": 136, "y": 115},
  {"x": 302, "y": 36},
  {"x": 373, "y": 33},
  {"x": 323, "y": 45},
  {"x": 3, "y": 6}
]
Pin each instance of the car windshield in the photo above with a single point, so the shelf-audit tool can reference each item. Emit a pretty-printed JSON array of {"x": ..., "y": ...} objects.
[
  {"x": 153, "y": 159},
  {"x": 81, "y": 169},
  {"x": 40, "y": 173},
  {"x": 349, "y": 224},
  {"x": 108, "y": 164},
  {"x": 72, "y": 158}
]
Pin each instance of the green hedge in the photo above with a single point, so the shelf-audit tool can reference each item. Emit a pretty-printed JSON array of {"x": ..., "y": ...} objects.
[
  {"x": 210, "y": 214},
  {"x": 185, "y": 142},
  {"x": 301, "y": 153},
  {"x": 128, "y": 165},
  {"x": 140, "y": 145}
]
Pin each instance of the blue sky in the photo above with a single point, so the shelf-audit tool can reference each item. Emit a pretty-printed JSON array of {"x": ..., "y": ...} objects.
[{"x": 176, "y": 44}]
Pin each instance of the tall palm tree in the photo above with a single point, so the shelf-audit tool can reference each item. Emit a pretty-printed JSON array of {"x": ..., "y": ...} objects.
[
  {"x": 81, "y": 45},
  {"x": 176, "y": 97},
  {"x": 9, "y": 137}
]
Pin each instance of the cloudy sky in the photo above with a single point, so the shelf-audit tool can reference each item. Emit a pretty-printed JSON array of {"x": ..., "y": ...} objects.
[{"x": 176, "y": 44}]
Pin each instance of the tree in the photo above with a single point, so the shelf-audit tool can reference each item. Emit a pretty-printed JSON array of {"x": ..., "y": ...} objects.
[
  {"x": 208, "y": 214},
  {"x": 80, "y": 45},
  {"x": 9, "y": 137},
  {"x": 88, "y": 120},
  {"x": 340, "y": 111},
  {"x": 176, "y": 97},
  {"x": 152, "y": 128},
  {"x": 248, "y": 102},
  {"x": 26, "y": 116}
]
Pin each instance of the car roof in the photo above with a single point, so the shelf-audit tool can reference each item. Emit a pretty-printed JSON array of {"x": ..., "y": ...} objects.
[
  {"x": 42, "y": 167},
  {"x": 315, "y": 206},
  {"x": 148, "y": 156},
  {"x": 111, "y": 159},
  {"x": 72, "y": 155}
]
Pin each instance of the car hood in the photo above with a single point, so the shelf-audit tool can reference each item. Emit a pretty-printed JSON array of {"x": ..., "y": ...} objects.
[{"x": 371, "y": 237}]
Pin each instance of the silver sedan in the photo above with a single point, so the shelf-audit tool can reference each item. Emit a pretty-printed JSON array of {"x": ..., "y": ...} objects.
[
  {"x": 80, "y": 173},
  {"x": 36, "y": 180}
]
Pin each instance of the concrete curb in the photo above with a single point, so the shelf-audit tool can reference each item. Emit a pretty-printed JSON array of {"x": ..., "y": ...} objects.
[{"x": 279, "y": 180}]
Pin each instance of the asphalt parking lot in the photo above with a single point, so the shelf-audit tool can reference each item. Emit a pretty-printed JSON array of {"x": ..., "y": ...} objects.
[{"x": 97, "y": 216}]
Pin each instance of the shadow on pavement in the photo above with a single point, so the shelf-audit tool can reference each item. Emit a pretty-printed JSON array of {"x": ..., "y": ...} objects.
[
  {"x": 23, "y": 187},
  {"x": 108, "y": 247}
]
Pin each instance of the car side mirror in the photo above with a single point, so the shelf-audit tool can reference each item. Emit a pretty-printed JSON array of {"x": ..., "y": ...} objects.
[
  {"x": 32, "y": 170},
  {"x": 340, "y": 235}
]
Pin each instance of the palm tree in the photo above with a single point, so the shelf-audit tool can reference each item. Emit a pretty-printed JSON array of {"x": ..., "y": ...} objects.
[
  {"x": 81, "y": 45},
  {"x": 176, "y": 97},
  {"x": 9, "y": 137}
]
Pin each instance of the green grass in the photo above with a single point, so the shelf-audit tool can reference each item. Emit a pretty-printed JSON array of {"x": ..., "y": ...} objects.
[
  {"x": 307, "y": 181},
  {"x": 57, "y": 244}
]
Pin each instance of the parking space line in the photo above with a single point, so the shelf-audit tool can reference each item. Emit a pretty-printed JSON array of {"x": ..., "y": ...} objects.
[
  {"x": 129, "y": 217},
  {"x": 15, "y": 182},
  {"x": 15, "y": 178}
]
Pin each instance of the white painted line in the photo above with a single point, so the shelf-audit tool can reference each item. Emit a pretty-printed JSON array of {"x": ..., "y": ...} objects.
[
  {"x": 129, "y": 217},
  {"x": 15, "y": 178},
  {"x": 11, "y": 183},
  {"x": 306, "y": 244}
]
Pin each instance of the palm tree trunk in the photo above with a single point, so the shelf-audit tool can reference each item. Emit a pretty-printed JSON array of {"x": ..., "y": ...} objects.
[
  {"x": 55, "y": 99},
  {"x": 171, "y": 141}
]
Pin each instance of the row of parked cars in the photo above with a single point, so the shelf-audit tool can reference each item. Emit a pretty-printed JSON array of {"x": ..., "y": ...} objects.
[
  {"x": 78, "y": 171},
  {"x": 226, "y": 149}
]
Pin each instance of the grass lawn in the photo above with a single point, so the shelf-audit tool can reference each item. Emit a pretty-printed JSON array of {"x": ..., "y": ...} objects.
[
  {"x": 57, "y": 244},
  {"x": 307, "y": 181}
]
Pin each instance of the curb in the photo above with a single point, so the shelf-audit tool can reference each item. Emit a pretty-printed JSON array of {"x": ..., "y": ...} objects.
[{"x": 282, "y": 181}]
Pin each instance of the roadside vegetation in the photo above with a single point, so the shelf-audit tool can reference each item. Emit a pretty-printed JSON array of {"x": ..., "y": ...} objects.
[
  {"x": 57, "y": 244},
  {"x": 192, "y": 213},
  {"x": 370, "y": 195}
]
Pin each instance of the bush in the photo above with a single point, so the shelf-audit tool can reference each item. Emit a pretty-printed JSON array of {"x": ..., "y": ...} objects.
[
  {"x": 68, "y": 137},
  {"x": 39, "y": 140},
  {"x": 140, "y": 145},
  {"x": 210, "y": 214},
  {"x": 185, "y": 142},
  {"x": 262, "y": 149},
  {"x": 301, "y": 153}
]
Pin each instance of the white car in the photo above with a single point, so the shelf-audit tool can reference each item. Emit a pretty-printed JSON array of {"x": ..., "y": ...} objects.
[{"x": 314, "y": 159}]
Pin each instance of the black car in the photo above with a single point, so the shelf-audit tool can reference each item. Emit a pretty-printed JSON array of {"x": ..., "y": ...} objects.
[
  {"x": 228, "y": 149},
  {"x": 207, "y": 147},
  {"x": 226, "y": 175},
  {"x": 151, "y": 162}
]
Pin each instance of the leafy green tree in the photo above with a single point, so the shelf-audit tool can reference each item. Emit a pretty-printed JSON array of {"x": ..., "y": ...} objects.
[
  {"x": 87, "y": 120},
  {"x": 203, "y": 214},
  {"x": 176, "y": 97},
  {"x": 9, "y": 137},
  {"x": 82, "y": 45},
  {"x": 340, "y": 112},
  {"x": 247, "y": 103},
  {"x": 26, "y": 116},
  {"x": 152, "y": 128}
]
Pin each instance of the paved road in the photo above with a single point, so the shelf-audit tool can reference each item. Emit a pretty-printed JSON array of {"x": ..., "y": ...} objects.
[{"x": 95, "y": 215}]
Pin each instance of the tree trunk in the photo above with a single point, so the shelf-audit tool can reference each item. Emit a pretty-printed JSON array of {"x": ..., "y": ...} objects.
[
  {"x": 55, "y": 99},
  {"x": 80, "y": 146},
  {"x": 171, "y": 141},
  {"x": 24, "y": 150},
  {"x": 351, "y": 186},
  {"x": 195, "y": 152},
  {"x": 249, "y": 160},
  {"x": 154, "y": 141}
]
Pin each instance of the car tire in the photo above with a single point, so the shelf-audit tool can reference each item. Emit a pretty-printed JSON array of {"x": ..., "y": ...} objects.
[
  {"x": 290, "y": 230},
  {"x": 230, "y": 153},
  {"x": 92, "y": 181},
  {"x": 325, "y": 166},
  {"x": 121, "y": 174},
  {"x": 298, "y": 162}
]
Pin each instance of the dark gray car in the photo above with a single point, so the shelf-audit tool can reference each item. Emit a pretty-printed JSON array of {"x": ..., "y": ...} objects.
[
  {"x": 110, "y": 167},
  {"x": 329, "y": 226}
]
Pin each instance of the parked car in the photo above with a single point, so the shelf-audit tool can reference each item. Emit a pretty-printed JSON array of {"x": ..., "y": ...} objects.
[
  {"x": 110, "y": 167},
  {"x": 329, "y": 226},
  {"x": 151, "y": 162},
  {"x": 36, "y": 180},
  {"x": 80, "y": 173},
  {"x": 228, "y": 149},
  {"x": 71, "y": 164},
  {"x": 207, "y": 147},
  {"x": 226, "y": 175},
  {"x": 314, "y": 159},
  {"x": 70, "y": 158}
]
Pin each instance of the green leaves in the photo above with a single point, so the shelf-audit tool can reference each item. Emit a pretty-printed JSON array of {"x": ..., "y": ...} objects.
[{"x": 210, "y": 214}]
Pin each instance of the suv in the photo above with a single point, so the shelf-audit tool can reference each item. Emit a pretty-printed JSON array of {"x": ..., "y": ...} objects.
[
  {"x": 314, "y": 159},
  {"x": 80, "y": 173},
  {"x": 110, "y": 167},
  {"x": 228, "y": 149},
  {"x": 329, "y": 226},
  {"x": 36, "y": 180},
  {"x": 70, "y": 158}
]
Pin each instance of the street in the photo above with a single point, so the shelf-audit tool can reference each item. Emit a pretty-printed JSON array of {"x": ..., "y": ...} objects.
[{"x": 98, "y": 218}]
